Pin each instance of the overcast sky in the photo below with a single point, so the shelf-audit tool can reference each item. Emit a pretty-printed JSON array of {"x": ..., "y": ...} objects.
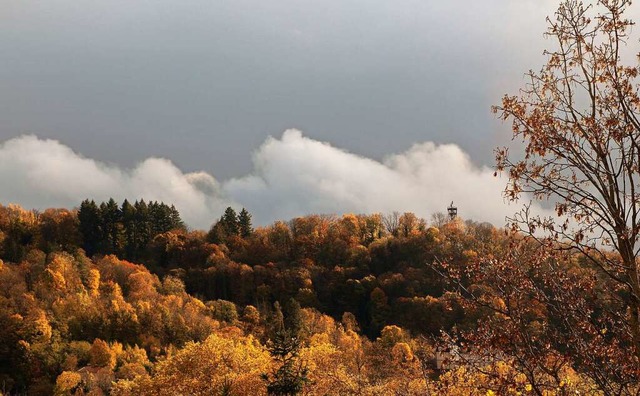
[{"x": 204, "y": 84}]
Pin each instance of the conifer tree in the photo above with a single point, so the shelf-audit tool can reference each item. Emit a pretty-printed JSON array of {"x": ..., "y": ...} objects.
[
  {"x": 230, "y": 221},
  {"x": 293, "y": 321},
  {"x": 284, "y": 346},
  {"x": 227, "y": 226},
  {"x": 157, "y": 220},
  {"x": 129, "y": 228},
  {"x": 217, "y": 233},
  {"x": 174, "y": 219},
  {"x": 90, "y": 226},
  {"x": 111, "y": 226},
  {"x": 142, "y": 227},
  {"x": 244, "y": 223}
]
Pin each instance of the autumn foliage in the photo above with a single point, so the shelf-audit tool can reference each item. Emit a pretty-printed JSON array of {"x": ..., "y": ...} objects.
[
  {"x": 361, "y": 311},
  {"x": 123, "y": 299}
]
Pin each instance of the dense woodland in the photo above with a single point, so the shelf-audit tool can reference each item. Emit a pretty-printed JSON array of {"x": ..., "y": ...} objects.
[
  {"x": 319, "y": 305},
  {"x": 123, "y": 299}
]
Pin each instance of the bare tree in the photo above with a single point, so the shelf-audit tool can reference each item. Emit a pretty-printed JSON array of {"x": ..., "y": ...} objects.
[
  {"x": 578, "y": 118},
  {"x": 392, "y": 223}
]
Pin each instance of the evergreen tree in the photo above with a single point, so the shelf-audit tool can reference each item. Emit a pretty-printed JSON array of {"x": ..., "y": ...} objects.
[
  {"x": 174, "y": 219},
  {"x": 293, "y": 321},
  {"x": 129, "y": 229},
  {"x": 90, "y": 226},
  {"x": 275, "y": 321},
  {"x": 227, "y": 226},
  {"x": 284, "y": 346},
  {"x": 164, "y": 218},
  {"x": 111, "y": 226},
  {"x": 217, "y": 234},
  {"x": 156, "y": 218},
  {"x": 142, "y": 226},
  {"x": 244, "y": 223},
  {"x": 230, "y": 222}
]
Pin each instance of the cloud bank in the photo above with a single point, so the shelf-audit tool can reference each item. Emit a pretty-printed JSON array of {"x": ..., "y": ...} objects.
[{"x": 292, "y": 176}]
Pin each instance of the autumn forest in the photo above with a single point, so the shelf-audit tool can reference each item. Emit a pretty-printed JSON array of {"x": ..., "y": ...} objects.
[
  {"x": 357, "y": 304},
  {"x": 125, "y": 298}
]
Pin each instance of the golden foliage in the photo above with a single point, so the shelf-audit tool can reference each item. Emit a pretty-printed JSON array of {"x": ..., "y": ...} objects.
[
  {"x": 66, "y": 382},
  {"x": 220, "y": 364}
]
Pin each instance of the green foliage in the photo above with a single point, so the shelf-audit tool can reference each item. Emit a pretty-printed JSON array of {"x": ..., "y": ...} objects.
[
  {"x": 244, "y": 223},
  {"x": 224, "y": 311},
  {"x": 291, "y": 374},
  {"x": 229, "y": 221},
  {"x": 89, "y": 217},
  {"x": 111, "y": 226},
  {"x": 125, "y": 230},
  {"x": 293, "y": 322},
  {"x": 231, "y": 225}
]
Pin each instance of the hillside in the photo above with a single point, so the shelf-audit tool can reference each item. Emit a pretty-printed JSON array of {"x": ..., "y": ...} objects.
[{"x": 358, "y": 304}]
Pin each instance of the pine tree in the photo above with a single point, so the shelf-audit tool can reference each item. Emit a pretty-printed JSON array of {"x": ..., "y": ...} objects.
[
  {"x": 244, "y": 223},
  {"x": 156, "y": 217},
  {"x": 284, "y": 346},
  {"x": 111, "y": 226},
  {"x": 230, "y": 222},
  {"x": 142, "y": 226},
  {"x": 289, "y": 379},
  {"x": 129, "y": 229},
  {"x": 164, "y": 218},
  {"x": 227, "y": 226},
  {"x": 217, "y": 234},
  {"x": 174, "y": 219},
  {"x": 293, "y": 321},
  {"x": 90, "y": 226}
]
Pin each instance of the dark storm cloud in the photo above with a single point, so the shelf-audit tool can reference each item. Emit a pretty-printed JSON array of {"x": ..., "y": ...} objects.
[{"x": 204, "y": 82}]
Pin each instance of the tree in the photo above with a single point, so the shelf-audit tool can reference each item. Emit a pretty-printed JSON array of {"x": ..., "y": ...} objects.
[
  {"x": 175, "y": 219},
  {"x": 392, "y": 223},
  {"x": 291, "y": 375},
  {"x": 142, "y": 225},
  {"x": 223, "y": 364},
  {"x": 164, "y": 218},
  {"x": 102, "y": 355},
  {"x": 284, "y": 346},
  {"x": 409, "y": 224},
  {"x": 230, "y": 221},
  {"x": 228, "y": 225},
  {"x": 547, "y": 316},
  {"x": 244, "y": 223},
  {"x": 579, "y": 120},
  {"x": 379, "y": 310},
  {"x": 90, "y": 226},
  {"x": 58, "y": 230},
  {"x": 111, "y": 216},
  {"x": 129, "y": 225},
  {"x": 293, "y": 321}
]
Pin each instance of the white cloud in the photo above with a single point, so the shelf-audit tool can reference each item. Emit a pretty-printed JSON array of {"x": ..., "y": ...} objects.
[
  {"x": 40, "y": 173},
  {"x": 292, "y": 176},
  {"x": 296, "y": 175}
]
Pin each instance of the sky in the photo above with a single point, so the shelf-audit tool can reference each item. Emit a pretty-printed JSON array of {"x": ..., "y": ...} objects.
[{"x": 284, "y": 107}]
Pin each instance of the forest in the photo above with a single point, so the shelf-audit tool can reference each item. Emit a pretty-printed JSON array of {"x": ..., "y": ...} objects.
[
  {"x": 124, "y": 298},
  {"x": 319, "y": 305}
]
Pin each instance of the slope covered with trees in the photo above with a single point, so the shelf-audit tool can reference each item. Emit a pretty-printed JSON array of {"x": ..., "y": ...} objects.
[
  {"x": 123, "y": 299},
  {"x": 357, "y": 304}
]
